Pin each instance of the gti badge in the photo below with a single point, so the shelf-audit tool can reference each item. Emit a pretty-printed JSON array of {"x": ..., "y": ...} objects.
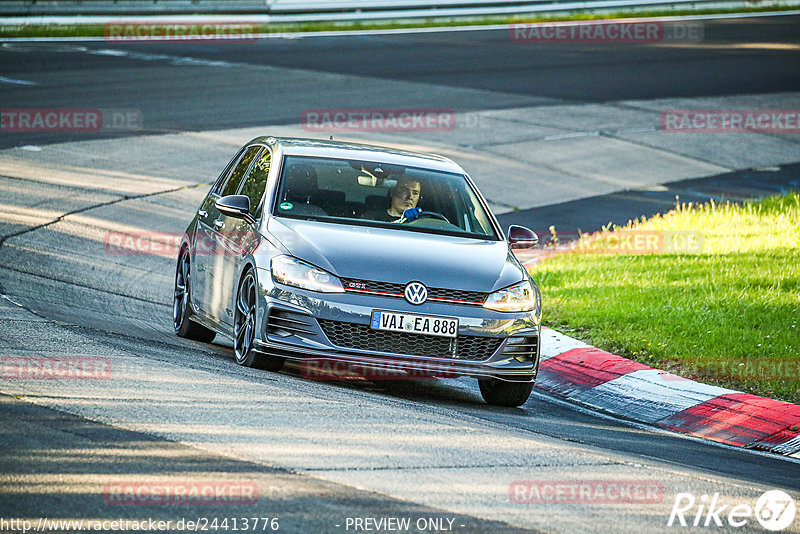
[{"x": 416, "y": 293}]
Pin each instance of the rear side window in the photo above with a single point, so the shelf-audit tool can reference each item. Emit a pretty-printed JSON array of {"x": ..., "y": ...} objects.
[
  {"x": 256, "y": 182},
  {"x": 235, "y": 178},
  {"x": 221, "y": 178}
]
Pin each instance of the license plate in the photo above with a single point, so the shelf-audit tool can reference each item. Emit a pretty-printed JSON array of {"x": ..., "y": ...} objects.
[{"x": 414, "y": 324}]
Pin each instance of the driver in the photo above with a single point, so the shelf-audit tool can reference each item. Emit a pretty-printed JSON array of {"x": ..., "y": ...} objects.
[{"x": 404, "y": 197}]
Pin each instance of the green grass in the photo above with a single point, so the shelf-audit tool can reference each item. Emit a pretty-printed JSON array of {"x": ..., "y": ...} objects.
[
  {"x": 731, "y": 302},
  {"x": 97, "y": 30}
]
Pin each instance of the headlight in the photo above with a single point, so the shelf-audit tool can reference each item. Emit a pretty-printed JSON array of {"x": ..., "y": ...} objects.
[
  {"x": 293, "y": 272},
  {"x": 517, "y": 298}
]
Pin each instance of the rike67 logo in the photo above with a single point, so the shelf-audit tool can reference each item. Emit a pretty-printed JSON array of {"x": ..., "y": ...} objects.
[{"x": 774, "y": 510}]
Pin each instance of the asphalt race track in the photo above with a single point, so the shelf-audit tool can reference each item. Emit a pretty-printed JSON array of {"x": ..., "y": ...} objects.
[
  {"x": 465, "y": 71},
  {"x": 322, "y": 454}
]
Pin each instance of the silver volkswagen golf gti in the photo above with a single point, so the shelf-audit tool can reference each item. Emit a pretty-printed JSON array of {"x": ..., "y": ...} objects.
[{"x": 364, "y": 256}]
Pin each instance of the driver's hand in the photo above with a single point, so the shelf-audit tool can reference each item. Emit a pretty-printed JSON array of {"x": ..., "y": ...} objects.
[{"x": 412, "y": 214}]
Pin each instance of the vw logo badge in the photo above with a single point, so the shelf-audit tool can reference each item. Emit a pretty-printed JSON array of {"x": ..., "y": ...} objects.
[{"x": 416, "y": 293}]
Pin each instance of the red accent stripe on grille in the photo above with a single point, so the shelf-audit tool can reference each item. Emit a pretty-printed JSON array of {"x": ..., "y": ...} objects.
[
  {"x": 400, "y": 295},
  {"x": 374, "y": 292},
  {"x": 456, "y": 301}
]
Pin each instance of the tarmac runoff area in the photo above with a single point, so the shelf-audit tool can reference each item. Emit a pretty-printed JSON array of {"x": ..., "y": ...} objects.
[
  {"x": 75, "y": 193},
  {"x": 521, "y": 158}
]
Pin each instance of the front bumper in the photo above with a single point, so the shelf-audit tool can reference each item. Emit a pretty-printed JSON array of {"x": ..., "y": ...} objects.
[{"x": 290, "y": 325}]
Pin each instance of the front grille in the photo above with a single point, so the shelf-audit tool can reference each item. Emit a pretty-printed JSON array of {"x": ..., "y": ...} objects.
[
  {"x": 362, "y": 337},
  {"x": 356, "y": 285},
  {"x": 286, "y": 323},
  {"x": 524, "y": 349}
]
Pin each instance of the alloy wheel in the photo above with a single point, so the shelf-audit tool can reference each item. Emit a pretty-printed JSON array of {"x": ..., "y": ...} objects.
[{"x": 244, "y": 324}]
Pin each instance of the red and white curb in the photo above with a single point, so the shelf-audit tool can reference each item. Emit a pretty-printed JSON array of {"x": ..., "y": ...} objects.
[{"x": 587, "y": 375}]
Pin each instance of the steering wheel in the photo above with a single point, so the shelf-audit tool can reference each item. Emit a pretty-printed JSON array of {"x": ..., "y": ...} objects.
[{"x": 434, "y": 215}]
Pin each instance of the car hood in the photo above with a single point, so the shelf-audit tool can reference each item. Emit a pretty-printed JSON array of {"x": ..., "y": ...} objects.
[{"x": 396, "y": 256}]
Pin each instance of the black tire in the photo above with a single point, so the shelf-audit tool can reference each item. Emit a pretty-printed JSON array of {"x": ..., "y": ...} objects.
[
  {"x": 182, "y": 304},
  {"x": 244, "y": 328},
  {"x": 499, "y": 393}
]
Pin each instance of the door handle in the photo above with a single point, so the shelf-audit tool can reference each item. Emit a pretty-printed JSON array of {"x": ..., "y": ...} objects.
[
  {"x": 203, "y": 213},
  {"x": 219, "y": 224}
]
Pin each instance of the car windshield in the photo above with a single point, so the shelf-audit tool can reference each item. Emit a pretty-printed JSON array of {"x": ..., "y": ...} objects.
[{"x": 370, "y": 193}]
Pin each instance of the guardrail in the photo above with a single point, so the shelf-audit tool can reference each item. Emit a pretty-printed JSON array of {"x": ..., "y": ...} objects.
[{"x": 306, "y": 10}]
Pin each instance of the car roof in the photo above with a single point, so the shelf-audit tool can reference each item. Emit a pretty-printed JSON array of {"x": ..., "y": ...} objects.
[{"x": 297, "y": 146}]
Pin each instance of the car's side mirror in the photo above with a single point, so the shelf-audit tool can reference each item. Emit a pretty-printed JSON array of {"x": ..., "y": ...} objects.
[
  {"x": 520, "y": 237},
  {"x": 237, "y": 206}
]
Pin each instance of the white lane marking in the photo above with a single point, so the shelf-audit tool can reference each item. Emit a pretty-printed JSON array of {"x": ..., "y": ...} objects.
[
  {"x": 15, "y": 81},
  {"x": 174, "y": 60},
  {"x": 559, "y": 137},
  {"x": 12, "y": 301},
  {"x": 649, "y": 395},
  {"x": 19, "y": 45},
  {"x": 109, "y": 52}
]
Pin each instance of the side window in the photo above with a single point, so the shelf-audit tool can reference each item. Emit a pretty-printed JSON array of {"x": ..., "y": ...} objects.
[
  {"x": 256, "y": 182},
  {"x": 232, "y": 185},
  {"x": 221, "y": 178}
]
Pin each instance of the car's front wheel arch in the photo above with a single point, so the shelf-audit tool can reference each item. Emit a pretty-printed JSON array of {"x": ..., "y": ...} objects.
[{"x": 246, "y": 324}]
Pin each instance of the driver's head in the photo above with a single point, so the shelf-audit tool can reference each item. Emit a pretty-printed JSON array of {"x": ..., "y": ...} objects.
[{"x": 405, "y": 195}]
